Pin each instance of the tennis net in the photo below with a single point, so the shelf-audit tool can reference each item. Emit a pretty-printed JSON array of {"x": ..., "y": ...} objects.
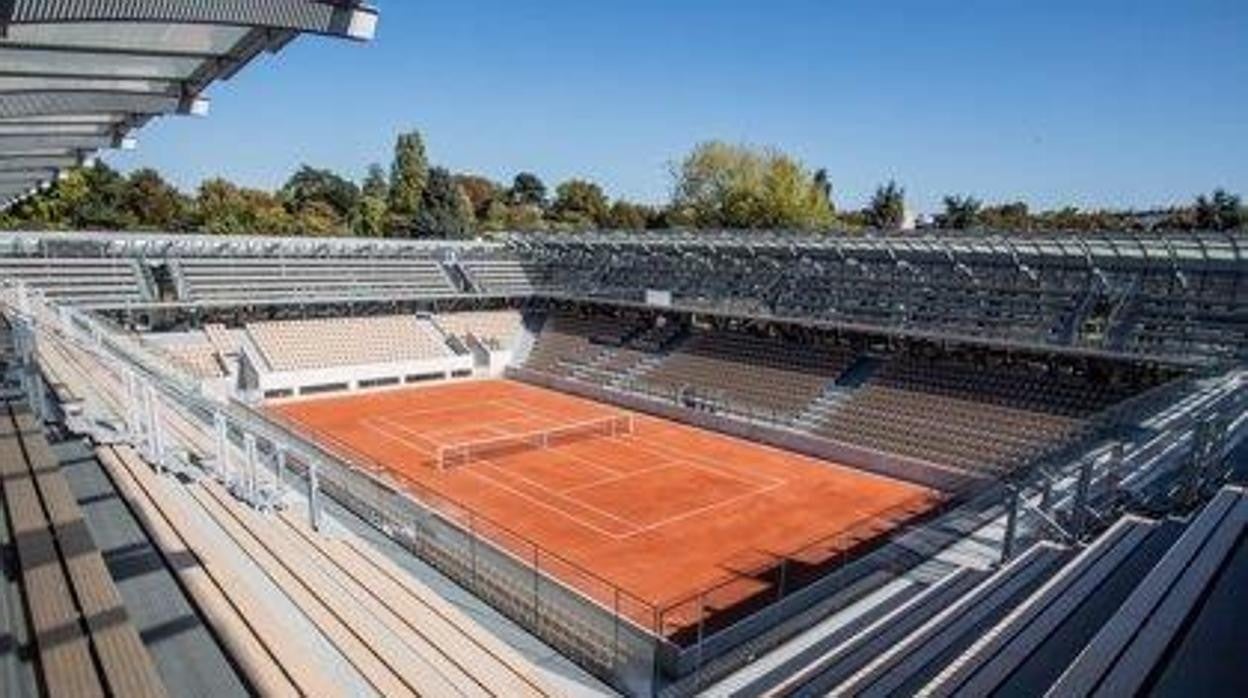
[{"x": 456, "y": 455}]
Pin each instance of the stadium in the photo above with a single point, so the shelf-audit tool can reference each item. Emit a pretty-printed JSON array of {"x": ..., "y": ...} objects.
[{"x": 666, "y": 463}]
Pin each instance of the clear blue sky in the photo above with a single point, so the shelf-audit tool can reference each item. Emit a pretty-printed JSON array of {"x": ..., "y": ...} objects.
[{"x": 1109, "y": 103}]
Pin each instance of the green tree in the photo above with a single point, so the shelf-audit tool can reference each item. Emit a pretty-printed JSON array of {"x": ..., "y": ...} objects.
[
  {"x": 375, "y": 182},
  {"x": 1011, "y": 216},
  {"x": 824, "y": 184},
  {"x": 579, "y": 204},
  {"x": 154, "y": 203},
  {"x": 445, "y": 211},
  {"x": 887, "y": 210},
  {"x": 729, "y": 186},
  {"x": 309, "y": 185},
  {"x": 370, "y": 218},
  {"x": 409, "y": 175},
  {"x": 1221, "y": 211},
  {"x": 317, "y": 218},
  {"x": 227, "y": 209},
  {"x": 625, "y": 215},
  {"x": 961, "y": 213},
  {"x": 101, "y": 201},
  {"x": 524, "y": 218},
  {"x": 372, "y": 213},
  {"x": 527, "y": 189},
  {"x": 482, "y": 192}
]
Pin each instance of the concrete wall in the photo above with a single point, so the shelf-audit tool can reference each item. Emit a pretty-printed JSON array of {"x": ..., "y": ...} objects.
[{"x": 351, "y": 377}]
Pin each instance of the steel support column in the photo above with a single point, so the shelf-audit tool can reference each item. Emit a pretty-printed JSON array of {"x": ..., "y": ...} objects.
[
  {"x": 252, "y": 486},
  {"x": 221, "y": 466},
  {"x": 1013, "y": 497},
  {"x": 314, "y": 497}
]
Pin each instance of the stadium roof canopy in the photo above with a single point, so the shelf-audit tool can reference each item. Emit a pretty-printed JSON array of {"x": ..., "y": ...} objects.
[{"x": 77, "y": 76}]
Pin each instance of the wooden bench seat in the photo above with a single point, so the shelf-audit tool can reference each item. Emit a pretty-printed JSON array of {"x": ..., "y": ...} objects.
[{"x": 85, "y": 641}]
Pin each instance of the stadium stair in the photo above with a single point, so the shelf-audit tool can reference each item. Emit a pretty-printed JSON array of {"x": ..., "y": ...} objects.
[
  {"x": 637, "y": 371},
  {"x": 836, "y": 392},
  {"x": 908, "y": 662},
  {"x": 459, "y": 277},
  {"x": 525, "y": 339},
  {"x": 1176, "y": 629},
  {"x": 181, "y": 288},
  {"x": 148, "y": 289},
  {"x": 850, "y": 648},
  {"x": 1032, "y": 645}
]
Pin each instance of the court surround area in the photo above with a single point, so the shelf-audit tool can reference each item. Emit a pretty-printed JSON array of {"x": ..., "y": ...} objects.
[{"x": 663, "y": 511}]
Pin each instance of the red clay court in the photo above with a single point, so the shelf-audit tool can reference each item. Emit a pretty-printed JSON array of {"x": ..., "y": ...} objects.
[{"x": 663, "y": 512}]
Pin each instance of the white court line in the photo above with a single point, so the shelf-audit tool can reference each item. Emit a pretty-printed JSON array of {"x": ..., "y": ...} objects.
[
  {"x": 696, "y": 461},
  {"x": 593, "y": 464},
  {"x": 755, "y": 489},
  {"x": 691, "y": 459},
  {"x": 554, "y": 493},
  {"x": 492, "y": 426},
  {"x": 547, "y": 505},
  {"x": 636, "y": 528},
  {"x": 665, "y": 465},
  {"x": 709, "y": 507},
  {"x": 376, "y": 423},
  {"x": 588, "y": 461},
  {"x": 473, "y": 409},
  {"x": 400, "y": 439},
  {"x": 671, "y": 426}
]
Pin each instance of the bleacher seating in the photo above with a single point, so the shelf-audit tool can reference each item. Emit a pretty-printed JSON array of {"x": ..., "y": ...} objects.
[
  {"x": 224, "y": 340},
  {"x": 201, "y": 360},
  {"x": 296, "y": 345},
  {"x": 1166, "y": 317},
  {"x": 568, "y": 342},
  {"x": 495, "y": 328},
  {"x": 82, "y": 638},
  {"x": 505, "y": 276},
  {"x": 303, "y": 280},
  {"x": 901, "y": 651},
  {"x": 1119, "y": 294},
  {"x": 751, "y": 374},
  {"x": 1031, "y": 647},
  {"x": 1181, "y": 630},
  {"x": 1146, "y": 608},
  {"x": 91, "y": 282},
  {"x": 980, "y": 418}
]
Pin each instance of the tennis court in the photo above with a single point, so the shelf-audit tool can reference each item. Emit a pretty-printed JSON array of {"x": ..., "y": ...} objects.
[{"x": 660, "y": 509}]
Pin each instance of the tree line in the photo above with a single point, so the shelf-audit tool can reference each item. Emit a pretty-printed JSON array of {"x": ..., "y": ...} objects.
[{"x": 716, "y": 185}]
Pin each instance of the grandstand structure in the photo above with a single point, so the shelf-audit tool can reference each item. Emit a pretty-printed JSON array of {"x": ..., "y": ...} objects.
[
  {"x": 1034, "y": 390},
  {"x": 650, "y": 464}
]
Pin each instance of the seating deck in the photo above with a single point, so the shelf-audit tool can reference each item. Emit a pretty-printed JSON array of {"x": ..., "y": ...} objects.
[{"x": 85, "y": 642}]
